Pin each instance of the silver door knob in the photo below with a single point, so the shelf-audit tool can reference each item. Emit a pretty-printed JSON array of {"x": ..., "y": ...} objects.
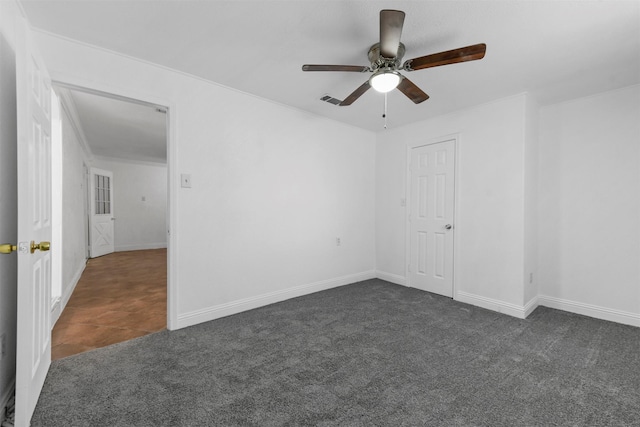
[{"x": 448, "y": 227}]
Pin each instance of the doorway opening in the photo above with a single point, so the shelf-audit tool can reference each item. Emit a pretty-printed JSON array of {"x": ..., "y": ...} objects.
[{"x": 114, "y": 191}]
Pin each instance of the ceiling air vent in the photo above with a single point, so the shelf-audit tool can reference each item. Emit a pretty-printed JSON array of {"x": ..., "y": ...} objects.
[{"x": 330, "y": 100}]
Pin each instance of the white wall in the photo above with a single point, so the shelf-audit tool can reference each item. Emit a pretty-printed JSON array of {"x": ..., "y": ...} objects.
[
  {"x": 272, "y": 187},
  {"x": 489, "y": 263},
  {"x": 74, "y": 232},
  {"x": 589, "y": 205},
  {"x": 531, "y": 177},
  {"x": 8, "y": 198},
  {"x": 139, "y": 224}
]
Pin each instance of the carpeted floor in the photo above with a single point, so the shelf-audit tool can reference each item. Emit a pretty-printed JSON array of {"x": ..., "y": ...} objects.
[{"x": 367, "y": 354}]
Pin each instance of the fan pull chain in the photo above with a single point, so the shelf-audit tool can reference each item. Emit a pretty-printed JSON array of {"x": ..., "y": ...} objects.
[{"x": 384, "y": 113}]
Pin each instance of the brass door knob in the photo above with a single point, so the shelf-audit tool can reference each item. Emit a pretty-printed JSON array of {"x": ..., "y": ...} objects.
[
  {"x": 7, "y": 248},
  {"x": 43, "y": 246}
]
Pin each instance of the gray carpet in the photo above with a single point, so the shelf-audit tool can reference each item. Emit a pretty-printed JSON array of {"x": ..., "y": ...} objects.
[{"x": 367, "y": 354}]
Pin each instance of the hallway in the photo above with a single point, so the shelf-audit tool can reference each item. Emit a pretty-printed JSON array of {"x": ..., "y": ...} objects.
[{"x": 119, "y": 297}]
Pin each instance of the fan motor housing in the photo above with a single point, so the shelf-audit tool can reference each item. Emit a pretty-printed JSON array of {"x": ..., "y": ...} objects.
[{"x": 379, "y": 61}]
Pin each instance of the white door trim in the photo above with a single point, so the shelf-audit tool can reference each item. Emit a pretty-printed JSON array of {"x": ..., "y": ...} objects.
[
  {"x": 173, "y": 179},
  {"x": 456, "y": 205}
]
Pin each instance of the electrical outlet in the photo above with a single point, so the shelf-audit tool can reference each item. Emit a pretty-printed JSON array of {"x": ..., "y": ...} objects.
[
  {"x": 338, "y": 242},
  {"x": 3, "y": 346}
]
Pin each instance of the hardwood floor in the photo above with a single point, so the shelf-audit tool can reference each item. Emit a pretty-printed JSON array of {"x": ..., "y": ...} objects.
[{"x": 120, "y": 296}]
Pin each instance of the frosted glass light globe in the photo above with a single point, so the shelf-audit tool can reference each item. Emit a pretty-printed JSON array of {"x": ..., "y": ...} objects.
[{"x": 385, "y": 81}]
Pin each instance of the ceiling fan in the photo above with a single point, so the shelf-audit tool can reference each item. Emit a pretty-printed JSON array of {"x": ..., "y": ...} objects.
[{"x": 386, "y": 56}]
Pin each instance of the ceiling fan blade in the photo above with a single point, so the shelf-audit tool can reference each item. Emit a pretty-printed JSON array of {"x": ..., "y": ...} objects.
[
  {"x": 355, "y": 94},
  {"x": 412, "y": 91},
  {"x": 355, "y": 68},
  {"x": 468, "y": 53},
  {"x": 391, "y": 22}
]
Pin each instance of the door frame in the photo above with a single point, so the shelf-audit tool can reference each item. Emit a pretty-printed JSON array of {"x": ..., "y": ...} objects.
[
  {"x": 456, "y": 205},
  {"x": 86, "y": 178},
  {"x": 122, "y": 94}
]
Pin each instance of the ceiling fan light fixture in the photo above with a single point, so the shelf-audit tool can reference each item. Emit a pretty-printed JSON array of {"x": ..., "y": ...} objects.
[{"x": 385, "y": 80}]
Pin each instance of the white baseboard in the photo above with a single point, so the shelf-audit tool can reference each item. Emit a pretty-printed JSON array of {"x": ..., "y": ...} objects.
[
  {"x": 140, "y": 247},
  {"x": 590, "y": 310},
  {"x": 531, "y": 306},
  {"x": 522, "y": 312},
  {"x": 72, "y": 285},
  {"x": 66, "y": 295},
  {"x": 519, "y": 311},
  {"x": 390, "y": 277},
  {"x": 56, "y": 311},
  {"x": 234, "y": 307},
  {"x": 515, "y": 310}
]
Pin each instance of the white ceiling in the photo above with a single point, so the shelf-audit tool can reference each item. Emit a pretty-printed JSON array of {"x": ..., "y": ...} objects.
[
  {"x": 557, "y": 50},
  {"x": 117, "y": 128}
]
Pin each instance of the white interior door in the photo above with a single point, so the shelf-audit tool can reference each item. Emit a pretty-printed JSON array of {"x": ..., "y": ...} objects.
[
  {"x": 33, "y": 347},
  {"x": 101, "y": 229},
  {"x": 431, "y": 217}
]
